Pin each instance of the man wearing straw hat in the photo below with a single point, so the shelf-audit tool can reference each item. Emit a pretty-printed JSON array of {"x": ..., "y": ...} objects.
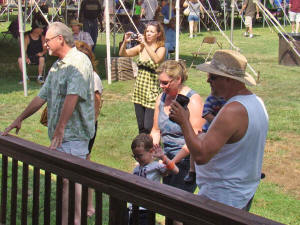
[
  {"x": 229, "y": 156},
  {"x": 80, "y": 35}
]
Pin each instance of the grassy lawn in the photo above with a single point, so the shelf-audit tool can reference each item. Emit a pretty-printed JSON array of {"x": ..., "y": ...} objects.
[{"x": 278, "y": 196}]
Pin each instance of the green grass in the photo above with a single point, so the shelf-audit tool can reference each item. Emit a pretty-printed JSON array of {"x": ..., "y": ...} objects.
[{"x": 279, "y": 88}]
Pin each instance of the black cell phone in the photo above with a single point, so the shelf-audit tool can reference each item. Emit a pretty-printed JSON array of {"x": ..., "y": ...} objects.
[{"x": 182, "y": 100}]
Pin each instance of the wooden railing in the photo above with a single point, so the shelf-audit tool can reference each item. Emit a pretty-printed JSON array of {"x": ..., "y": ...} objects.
[{"x": 121, "y": 187}]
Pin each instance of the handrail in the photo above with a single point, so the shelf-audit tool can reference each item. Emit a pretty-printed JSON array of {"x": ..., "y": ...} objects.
[{"x": 166, "y": 200}]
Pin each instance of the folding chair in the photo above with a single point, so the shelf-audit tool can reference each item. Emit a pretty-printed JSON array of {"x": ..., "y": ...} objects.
[{"x": 209, "y": 40}]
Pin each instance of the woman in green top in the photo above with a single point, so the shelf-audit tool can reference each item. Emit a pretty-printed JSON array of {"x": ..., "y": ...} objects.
[{"x": 151, "y": 53}]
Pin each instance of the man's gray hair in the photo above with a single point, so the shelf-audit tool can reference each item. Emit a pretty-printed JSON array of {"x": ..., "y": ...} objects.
[{"x": 59, "y": 28}]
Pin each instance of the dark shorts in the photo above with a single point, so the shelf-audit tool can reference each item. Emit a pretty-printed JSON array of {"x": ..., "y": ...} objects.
[
  {"x": 178, "y": 179},
  {"x": 34, "y": 59}
]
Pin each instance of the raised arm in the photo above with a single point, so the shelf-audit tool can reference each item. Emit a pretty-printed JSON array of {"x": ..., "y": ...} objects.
[
  {"x": 195, "y": 108},
  {"x": 128, "y": 52},
  {"x": 157, "y": 55},
  {"x": 222, "y": 130}
]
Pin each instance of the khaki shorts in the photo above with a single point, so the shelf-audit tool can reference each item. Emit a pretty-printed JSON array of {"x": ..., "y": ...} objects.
[
  {"x": 294, "y": 17},
  {"x": 248, "y": 21}
]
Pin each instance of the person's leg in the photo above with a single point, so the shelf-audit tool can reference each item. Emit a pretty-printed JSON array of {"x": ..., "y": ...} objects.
[
  {"x": 191, "y": 27},
  {"x": 41, "y": 65},
  {"x": 78, "y": 191},
  {"x": 148, "y": 120},
  {"x": 90, "y": 207},
  {"x": 250, "y": 28},
  {"x": 297, "y": 22},
  {"x": 292, "y": 16},
  {"x": 78, "y": 149},
  {"x": 20, "y": 64},
  {"x": 190, "y": 178},
  {"x": 293, "y": 27},
  {"x": 195, "y": 27},
  {"x": 95, "y": 34},
  {"x": 140, "y": 115}
]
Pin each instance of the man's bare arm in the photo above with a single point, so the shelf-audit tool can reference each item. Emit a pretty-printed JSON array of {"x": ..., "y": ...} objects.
[
  {"x": 33, "y": 106},
  {"x": 223, "y": 130}
]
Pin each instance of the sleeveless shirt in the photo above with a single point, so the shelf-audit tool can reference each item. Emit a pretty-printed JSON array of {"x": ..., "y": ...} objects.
[
  {"x": 233, "y": 174},
  {"x": 171, "y": 133},
  {"x": 34, "y": 46}
]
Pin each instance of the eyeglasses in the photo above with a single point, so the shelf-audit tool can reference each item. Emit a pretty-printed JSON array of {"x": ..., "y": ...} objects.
[
  {"x": 165, "y": 83},
  {"x": 50, "y": 39}
]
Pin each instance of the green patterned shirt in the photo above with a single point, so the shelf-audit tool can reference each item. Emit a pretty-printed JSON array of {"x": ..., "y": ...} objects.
[{"x": 71, "y": 75}]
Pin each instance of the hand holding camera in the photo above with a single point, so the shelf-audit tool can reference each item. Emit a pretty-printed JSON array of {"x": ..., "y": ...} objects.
[{"x": 183, "y": 101}]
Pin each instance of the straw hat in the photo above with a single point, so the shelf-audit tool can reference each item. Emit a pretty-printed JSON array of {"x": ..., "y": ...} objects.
[
  {"x": 228, "y": 63},
  {"x": 75, "y": 23}
]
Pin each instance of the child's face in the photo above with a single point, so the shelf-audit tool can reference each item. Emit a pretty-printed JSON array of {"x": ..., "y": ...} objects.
[{"x": 142, "y": 156}]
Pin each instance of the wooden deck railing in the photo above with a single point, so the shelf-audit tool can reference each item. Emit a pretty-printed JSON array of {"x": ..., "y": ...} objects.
[{"x": 121, "y": 187}]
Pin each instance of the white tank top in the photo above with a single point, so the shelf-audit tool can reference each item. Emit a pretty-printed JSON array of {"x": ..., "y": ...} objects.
[{"x": 233, "y": 174}]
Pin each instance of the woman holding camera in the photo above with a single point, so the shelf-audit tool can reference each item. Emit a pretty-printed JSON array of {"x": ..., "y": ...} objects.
[
  {"x": 151, "y": 53},
  {"x": 172, "y": 75}
]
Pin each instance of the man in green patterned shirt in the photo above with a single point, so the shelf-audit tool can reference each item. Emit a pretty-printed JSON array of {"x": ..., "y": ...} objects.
[{"x": 69, "y": 93}]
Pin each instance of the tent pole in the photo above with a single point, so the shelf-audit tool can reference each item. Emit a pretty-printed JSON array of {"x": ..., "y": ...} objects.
[
  {"x": 224, "y": 5},
  {"x": 107, "y": 31},
  {"x": 114, "y": 21},
  {"x": 232, "y": 22},
  {"x": 264, "y": 20},
  {"x": 21, "y": 31},
  {"x": 170, "y": 9},
  {"x": 177, "y": 7},
  {"x": 133, "y": 5}
]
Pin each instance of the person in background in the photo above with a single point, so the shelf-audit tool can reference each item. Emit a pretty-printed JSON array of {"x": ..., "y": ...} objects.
[
  {"x": 144, "y": 152},
  {"x": 79, "y": 35},
  {"x": 165, "y": 10},
  {"x": 35, "y": 49},
  {"x": 212, "y": 106},
  {"x": 90, "y": 15},
  {"x": 250, "y": 8},
  {"x": 229, "y": 156},
  {"x": 194, "y": 16},
  {"x": 138, "y": 8},
  {"x": 172, "y": 77},
  {"x": 294, "y": 13},
  {"x": 151, "y": 51},
  {"x": 170, "y": 37},
  {"x": 148, "y": 9},
  {"x": 98, "y": 89}
]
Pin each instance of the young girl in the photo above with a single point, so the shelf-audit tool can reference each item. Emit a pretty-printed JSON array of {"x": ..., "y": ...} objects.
[{"x": 144, "y": 152}]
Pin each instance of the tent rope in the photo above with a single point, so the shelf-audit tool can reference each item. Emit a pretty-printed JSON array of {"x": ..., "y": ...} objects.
[
  {"x": 230, "y": 42},
  {"x": 122, "y": 3},
  {"x": 272, "y": 19}
]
